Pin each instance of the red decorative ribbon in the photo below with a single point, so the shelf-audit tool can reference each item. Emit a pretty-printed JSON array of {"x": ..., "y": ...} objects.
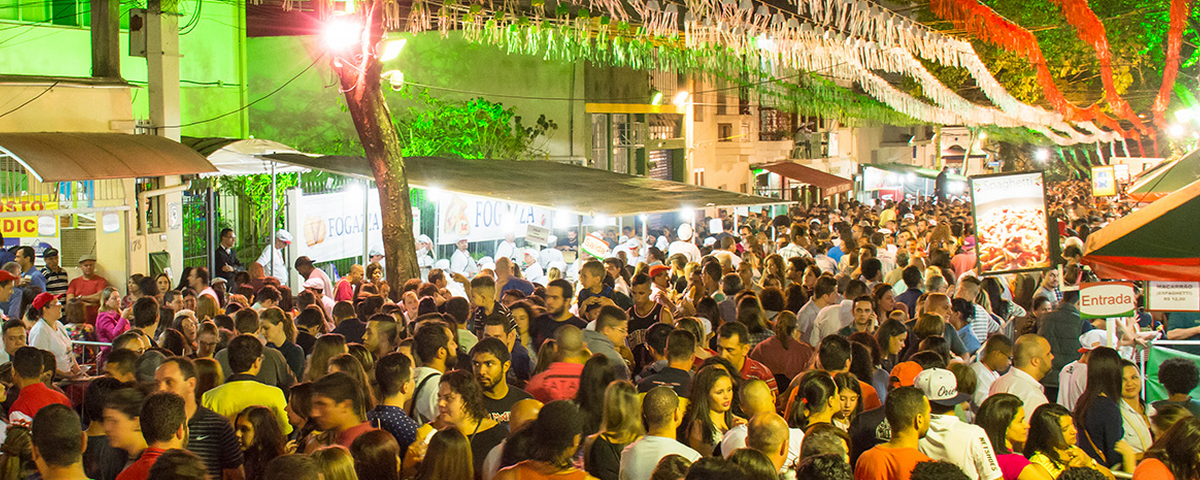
[
  {"x": 1179, "y": 14},
  {"x": 989, "y": 26}
]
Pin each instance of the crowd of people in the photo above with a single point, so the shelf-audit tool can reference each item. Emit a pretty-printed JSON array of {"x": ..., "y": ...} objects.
[{"x": 858, "y": 342}]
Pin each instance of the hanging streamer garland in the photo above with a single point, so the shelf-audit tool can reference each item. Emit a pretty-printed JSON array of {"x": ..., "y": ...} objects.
[
  {"x": 1180, "y": 10},
  {"x": 1089, "y": 29},
  {"x": 726, "y": 34},
  {"x": 989, "y": 26}
]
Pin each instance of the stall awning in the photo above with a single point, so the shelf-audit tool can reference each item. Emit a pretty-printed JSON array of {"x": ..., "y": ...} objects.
[
  {"x": 829, "y": 183},
  {"x": 1168, "y": 177},
  {"x": 545, "y": 184},
  {"x": 69, "y": 156},
  {"x": 237, "y": 156},
  {"x": 904, "y": 168},
  {"x": 1151, "y": 243}
]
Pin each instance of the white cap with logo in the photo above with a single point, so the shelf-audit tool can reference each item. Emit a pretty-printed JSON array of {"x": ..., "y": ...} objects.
[{"x": 940, "y": 387}]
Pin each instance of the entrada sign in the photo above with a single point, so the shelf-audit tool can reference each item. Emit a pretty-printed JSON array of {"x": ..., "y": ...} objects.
[{"x": 1107, "y": 300}]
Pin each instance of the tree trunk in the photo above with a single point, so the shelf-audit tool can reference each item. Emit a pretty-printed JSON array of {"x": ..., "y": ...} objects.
[{"x": 359, "y": 76}]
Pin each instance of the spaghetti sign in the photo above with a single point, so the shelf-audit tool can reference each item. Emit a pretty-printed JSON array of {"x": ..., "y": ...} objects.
[{"x": 1107, "y": 300}]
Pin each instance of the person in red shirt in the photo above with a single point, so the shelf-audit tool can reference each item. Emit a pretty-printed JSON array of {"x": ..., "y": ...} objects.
[
  {"x": 339, "y": 409},
  {"x": 34, "y": 395},
  {"x": 164, "y": 426},
  {"x": 907, "y": 411},
  {"x": 88, "y": 287},
  {"x": 731, "y": 338},
  {"x": 58, "y": 441},
  {"x": 344, "y": 291},
  {"x": 833, "y": 356},
  {"x": 561, "y": 380}
]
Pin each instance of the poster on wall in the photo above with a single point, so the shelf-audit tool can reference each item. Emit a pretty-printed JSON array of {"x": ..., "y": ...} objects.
[
  {"x": 33, "y": 226},
  {"x": 332, "y": 225},
  {"x": 1121, "y": 171},
  {"x": 1010, "y": 220},
  {"x": 483, "y": 219},
  {"x": 1104, "y": 181}
]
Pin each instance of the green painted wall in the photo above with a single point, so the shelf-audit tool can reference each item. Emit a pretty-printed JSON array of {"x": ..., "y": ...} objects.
[
  {"x": 209, "y": 63},
  {"x": 308, "y": 114}
]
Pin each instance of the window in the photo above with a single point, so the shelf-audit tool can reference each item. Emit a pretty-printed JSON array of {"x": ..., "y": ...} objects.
[
  {"x": 600, "y": 142},
  {"x": 724, "y": 132},
  {"x": 721, "y": 102},
  {"x": 698, "y": 177},
  {"x": 774, "y": 125},
  {"x": 745, "y": 135}
]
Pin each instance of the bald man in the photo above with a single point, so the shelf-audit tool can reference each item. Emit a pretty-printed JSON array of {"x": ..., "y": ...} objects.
[
  {"x": 1031, "y": 361},
  {"x": 939, "y": 303},
  {"x": 523, "y": 413},
  {"x": 661, "y": 411},
  {"x": 561, "y": 380},
  {"x": 757, "y": 399},
  {"x": 769, "y": 434}
]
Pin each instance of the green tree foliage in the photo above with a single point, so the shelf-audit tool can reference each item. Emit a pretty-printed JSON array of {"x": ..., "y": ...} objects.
[{"x": 475, "y": 128}]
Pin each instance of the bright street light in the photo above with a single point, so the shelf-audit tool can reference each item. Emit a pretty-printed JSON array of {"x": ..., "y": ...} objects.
[
  {"x": 392, "y": 49},
  {"x": 1041, "y": 155},
  {"x": 681, "y": 98},
  {"x": 1175, "y": 130},
  {"x": 341, "y": 34}
]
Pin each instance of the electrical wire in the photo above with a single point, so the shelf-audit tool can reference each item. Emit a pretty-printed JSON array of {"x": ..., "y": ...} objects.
[
  {"x": 27, "y": 102},
  {"x": 252, "y": 103}
]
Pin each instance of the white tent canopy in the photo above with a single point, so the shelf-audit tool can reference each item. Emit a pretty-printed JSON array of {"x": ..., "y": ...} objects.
[{"x": 236, "y": 157}]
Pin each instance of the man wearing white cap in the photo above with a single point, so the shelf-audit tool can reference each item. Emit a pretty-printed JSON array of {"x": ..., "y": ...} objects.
[
  {"x": 950, "y": 439},
  {"x": 425, "y": 258},
  {"x": 507, "y": 248},
  {"x": 1073, "y": 377},
  {"x": 317, "y": 287},
  {"x": 461, "y": 261},
  {"x": 271, "y": 259},
  {"x": 549, "y": 254},
  {"x": 684, "y": 245}
]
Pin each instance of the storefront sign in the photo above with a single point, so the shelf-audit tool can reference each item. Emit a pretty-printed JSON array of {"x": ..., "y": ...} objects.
[
  {"x": 482, "y": 219},
  {"x": 594, "y": 245},
  {"x": 1011, "y": 224},
  {"x": 332, "y": 225},
  {"x": 1107, "y": 300},
  {"x": 537, "y": 235},
  {"x": 1173, "y": 296},
  {"x": 1104, "y": 181},
  {"x": 36, "y": 229}
]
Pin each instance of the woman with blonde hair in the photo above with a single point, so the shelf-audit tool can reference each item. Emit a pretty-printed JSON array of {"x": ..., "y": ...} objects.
[
  {"x": 206, "y": 308},
  {"x": 620, "y": 425},
  {"x": 328, "y": 346},
  {"x": 335, "y": 463},
  {"x": 208, "y": 376}
]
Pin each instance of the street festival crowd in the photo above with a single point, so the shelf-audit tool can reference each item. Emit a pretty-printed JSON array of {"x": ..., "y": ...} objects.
[{"x": 830, "y": 343}]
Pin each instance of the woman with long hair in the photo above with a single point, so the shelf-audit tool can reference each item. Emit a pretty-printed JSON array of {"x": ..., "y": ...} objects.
[
  {"x": 865, "y": 357},
  {"x": 460, "y": 405},
  {"x": 1097, "y": 408},
  {"x": 773, "y": 267},
  {"x": 207, "y": 308},
  {"x": 597, "y": 373},
  {"x": 185, "y": 322},
  {"x": 346, "y": 363},
  {"x": 620, "y": 425},
  {"x": 849, "y": 400},
  {"x": 448, "y": 457},
  {"x": 16, "y": 454},
  {"x": 750, "y": 313},
  {"x": 891, "y": 337},
  {"x": 1050, "y": 446},
  {"x": 885, "y": 300},
  {"x": 133, "y": 290},
  {"x": 335, "y": 463},
  {"x": 328, "y": 346},
  {"x": 1133, "y": 410},
  {"x": 280, "y": 334},
  {"x": 109, "y": 322},
  {"x": 376, "y": 456},
  {"x": 709, "y": 411},
  {"x": 261, "y": 439},
  {"x": 816, "y": 400},
  {"x": 794, "y": 298},
  {"x": 782, "y": 353},
  {"x": 1175, "y": 455},
  {"x": 523, "y": 314},
  {"x": 208, "y": 376},
  {"x": 557, "y": 430},
  {"x": 163, "y": 282},
  {"x": 1002, "y": 418}
]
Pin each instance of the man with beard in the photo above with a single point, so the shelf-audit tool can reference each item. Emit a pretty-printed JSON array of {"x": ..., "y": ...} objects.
[
  {"x": 490, "y": 363},
  {"x": 558, "y": 301},
  {"x": 434, "y": 344}
]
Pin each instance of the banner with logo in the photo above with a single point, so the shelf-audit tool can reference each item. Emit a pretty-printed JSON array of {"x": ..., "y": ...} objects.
[
  {"x": 332, "y": 225},
  {"x": 38, "y": 229},
  {"x": 1107, "y": 300},
  {"x": 1010, "y": 222},
  {"x": 482, "y": 219},
  {"x": 1157, "y": 355},
  {"x": 1104, "y": 181}
]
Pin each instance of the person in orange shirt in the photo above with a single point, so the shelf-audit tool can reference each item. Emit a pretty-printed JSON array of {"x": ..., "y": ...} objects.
[{"x": 907, "y": 411}]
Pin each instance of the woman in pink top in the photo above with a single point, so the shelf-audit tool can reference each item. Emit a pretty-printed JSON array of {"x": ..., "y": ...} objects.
[
  {"x": 1002, "y": 416},
  {"x": 1175, "y": 455},
  {"x": 109, "y": 322},
  {"x": 782, "y": 353}
]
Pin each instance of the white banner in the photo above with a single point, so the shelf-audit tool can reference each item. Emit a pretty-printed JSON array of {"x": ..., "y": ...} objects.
[
  {"x": 1173, "y": 296},
  {"x": 482, "y": 219},
  {"x": 332, "y": 225}
]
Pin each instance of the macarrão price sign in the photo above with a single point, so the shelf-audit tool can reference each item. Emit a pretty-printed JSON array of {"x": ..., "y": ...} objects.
[
  {"x": 1107, "y": 300},
  {"x": 1173, "y": 296}
]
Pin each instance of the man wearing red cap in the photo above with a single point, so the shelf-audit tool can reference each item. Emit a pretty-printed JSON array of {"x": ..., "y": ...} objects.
[{"x": 660, "y": 285}]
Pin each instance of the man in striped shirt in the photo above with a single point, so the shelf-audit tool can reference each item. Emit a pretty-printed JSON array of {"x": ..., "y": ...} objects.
[
  {"x": 210, "y": 435},
  {"x": 56, "y": 276}
]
